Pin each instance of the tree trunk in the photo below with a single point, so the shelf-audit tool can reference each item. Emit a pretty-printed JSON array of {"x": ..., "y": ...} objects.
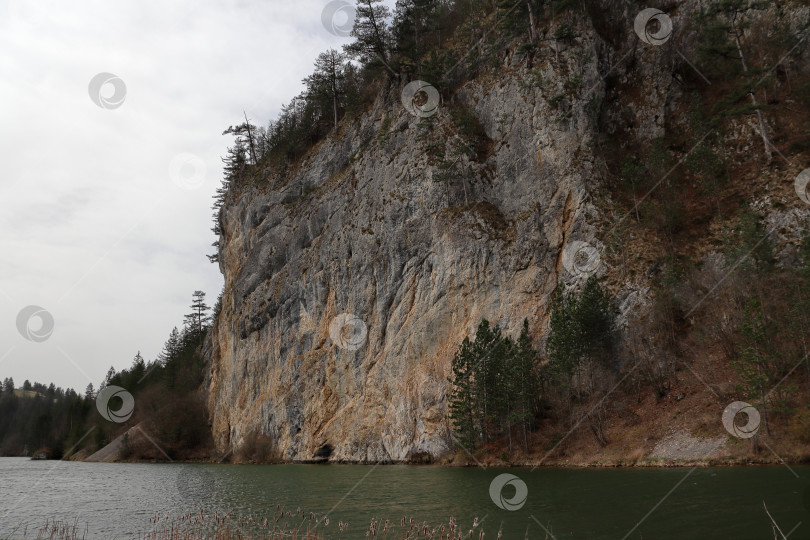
[
  {"x": 532, "y": 31},
  {"x": 765, "y": 411},
  {"x": 525, "y": 437},
  {"x": 334, "y": 107},
  {"x": 762, "y": 129},
  {"x": 509, "y": 428},
  {"x": 250, "y": 138},
  {"x": 380, "y": 44}
]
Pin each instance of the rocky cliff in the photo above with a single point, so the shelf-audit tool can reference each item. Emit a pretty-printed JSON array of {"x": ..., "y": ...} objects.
[{"x": 350, "y": 282}]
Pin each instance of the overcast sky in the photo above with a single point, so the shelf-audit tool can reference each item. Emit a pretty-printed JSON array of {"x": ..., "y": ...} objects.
[{"x": 105, "y": 204}]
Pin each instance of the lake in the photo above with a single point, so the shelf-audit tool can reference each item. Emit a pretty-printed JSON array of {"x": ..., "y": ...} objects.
[{"x": 117, "y": 500}]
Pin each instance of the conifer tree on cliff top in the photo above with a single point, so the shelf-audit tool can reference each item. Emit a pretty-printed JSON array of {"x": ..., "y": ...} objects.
[
  {"x": 199, "y": 313},
  {"x": 371, "y": 33}
]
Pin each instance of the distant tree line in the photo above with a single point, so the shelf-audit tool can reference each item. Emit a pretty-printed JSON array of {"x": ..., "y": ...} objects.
[
  {"x": 43, "y": 418},
  {"x": 37, "y": 416}
]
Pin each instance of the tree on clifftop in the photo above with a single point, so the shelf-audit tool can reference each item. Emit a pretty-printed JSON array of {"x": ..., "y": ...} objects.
[
  {"x": 325, "y": 85},
  {"x": 199, "y": 314},
  {"x": 371, "y": 33},
  {"x": 413, "y": 22},
  {"x": 172, "y": 346}
]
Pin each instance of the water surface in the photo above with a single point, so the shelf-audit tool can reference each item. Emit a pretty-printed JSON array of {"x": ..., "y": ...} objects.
[{"x": 117, "y": 500}]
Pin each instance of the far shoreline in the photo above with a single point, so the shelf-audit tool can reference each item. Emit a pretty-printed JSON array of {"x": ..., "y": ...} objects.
[{"x": 655, "y": 463}]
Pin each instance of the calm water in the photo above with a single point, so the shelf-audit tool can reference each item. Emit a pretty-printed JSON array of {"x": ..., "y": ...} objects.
[{"x": 117, "y": 500}]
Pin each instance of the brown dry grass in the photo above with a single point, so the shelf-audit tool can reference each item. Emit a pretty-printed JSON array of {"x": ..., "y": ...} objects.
[
  {"x": 284, "y": 525},
  {"x": 53, "y": 530},
  {"x": 203, "y": 526}
]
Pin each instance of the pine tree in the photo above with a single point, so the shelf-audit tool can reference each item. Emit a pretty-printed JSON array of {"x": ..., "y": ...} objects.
[
  {"x": 506, "y": 405},
  {"x": 563, "y": 345},
  {"x": 325, "y": 85},
  {"x": 245, "y": 133},
  {"x": 596, "y": 318},
  {"x": 371, "y": 33},
  {"x": 108, "y": 378},
  {"x": 198, "y": 317},
  {"x": 460, "y": 403},
  {"x": 351, "y": 88},
  {"x": 489, "y": 350},
  {"x": 524, "y": 384},
  {"x": 759, "y": 360},
  {"x": 138, "y": 369},
  {"x": 235, "y": 163},
  {"x": 582, "y": 331},
  {"x": 172, "y": 347},
  {"x": 413, "y": 20},
  {"x": 494, "y": 386}
]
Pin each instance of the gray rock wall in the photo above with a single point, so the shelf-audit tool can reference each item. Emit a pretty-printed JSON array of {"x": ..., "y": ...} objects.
[{"x": 366, "y": 226}]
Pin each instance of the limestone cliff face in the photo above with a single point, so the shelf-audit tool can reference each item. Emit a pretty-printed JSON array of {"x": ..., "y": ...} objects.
[{"x": 366, "y": 226}]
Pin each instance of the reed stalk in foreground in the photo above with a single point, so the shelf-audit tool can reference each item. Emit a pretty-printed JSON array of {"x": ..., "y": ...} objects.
[
  {"x": 283, "y": 525},
  {"x": 298, "y": 525},
  {"x": 52, "y": 530}
]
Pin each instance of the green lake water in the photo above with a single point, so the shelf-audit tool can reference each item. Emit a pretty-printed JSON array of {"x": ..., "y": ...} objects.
[{"x": 117, "y": 500}]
